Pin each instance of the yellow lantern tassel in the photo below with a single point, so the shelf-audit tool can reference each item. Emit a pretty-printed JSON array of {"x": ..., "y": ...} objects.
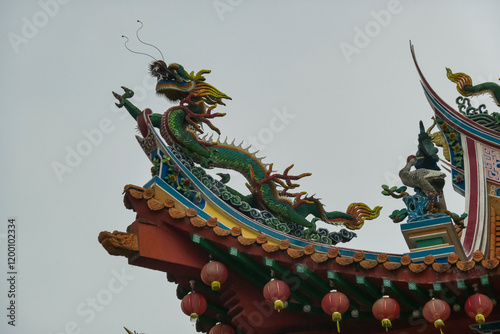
[
  {"x": 278, "y": 305},
  {"x": 386, "y": 323},
  {"x": 193, "y": 317},
  {"x": 215, "y": 286},
  {"x": 337, "y": 316},
  {"x": 480, "y": 319},
  {"x": 439, "y": 323}
]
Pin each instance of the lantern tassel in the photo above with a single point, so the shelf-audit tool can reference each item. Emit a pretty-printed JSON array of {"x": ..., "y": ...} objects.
[
  {"x": 215, "y": 286},
  {"x": 480, "y": 319},
  {"x": 337, "y": 316},
  {"x": 439, "y": 323},
  {"x": 194, "y": 317},
  {"x": 386, "y": 323},
  {"x": 278, "y": 305}
]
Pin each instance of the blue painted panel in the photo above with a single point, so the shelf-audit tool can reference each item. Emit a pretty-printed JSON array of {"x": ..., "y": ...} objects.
[
  {"x": 425, "y": 223},
  {"x": 436, "y": 252}
]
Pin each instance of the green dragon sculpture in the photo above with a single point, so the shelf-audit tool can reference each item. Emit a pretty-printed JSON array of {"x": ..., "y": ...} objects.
[{"x": 181, "y": 124}]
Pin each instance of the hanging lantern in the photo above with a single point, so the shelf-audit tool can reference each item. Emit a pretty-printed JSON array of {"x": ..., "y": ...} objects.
[
  {"x": 335, "y": 303},
  {"x": 276, "y": 292},
  {"x": 214, "y": 273},
  {"x": 436, "y": 311},
  {"x": 478, "y": 307},
  {"x": 386, "y": 309},
  {"x": 194, "y": 304},
  {"x": 221, "y": 329}
]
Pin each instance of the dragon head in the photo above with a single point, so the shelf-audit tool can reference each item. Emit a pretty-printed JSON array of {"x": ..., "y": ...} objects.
[{"x": 176, "y": 84}]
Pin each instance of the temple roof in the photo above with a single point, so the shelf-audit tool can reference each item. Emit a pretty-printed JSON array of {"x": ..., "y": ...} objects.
[{"x": 169, "y": 237}]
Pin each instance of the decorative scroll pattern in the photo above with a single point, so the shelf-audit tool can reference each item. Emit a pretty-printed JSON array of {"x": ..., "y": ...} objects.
[{"x": 491, "y": 158}]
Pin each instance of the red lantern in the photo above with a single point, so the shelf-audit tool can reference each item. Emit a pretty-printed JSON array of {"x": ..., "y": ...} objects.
[
  {"x": 386, "y": 309},
  {"x": 478, "y": 307},
  {"x": 221, "y": 329},
  {"x": 194, "y": 304},
  {"x": 214, "y": 274},
  {"x": 436, "y": 311},
  {"x": 335, "y": 303},
  {"x": 276, "y": 292}
]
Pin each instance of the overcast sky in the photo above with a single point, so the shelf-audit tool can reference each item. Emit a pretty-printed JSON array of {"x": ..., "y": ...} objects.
[{"x": 342, "y": 74}]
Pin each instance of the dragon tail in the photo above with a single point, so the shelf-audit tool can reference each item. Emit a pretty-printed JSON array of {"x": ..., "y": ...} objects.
[
  {"x": 462, "y": 80},
  {"x": 465, "y": 87},
  {"x": 359, "y": 212}
]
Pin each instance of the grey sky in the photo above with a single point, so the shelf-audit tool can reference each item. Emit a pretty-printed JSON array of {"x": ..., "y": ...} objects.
[{"x": 343, "y": 72}]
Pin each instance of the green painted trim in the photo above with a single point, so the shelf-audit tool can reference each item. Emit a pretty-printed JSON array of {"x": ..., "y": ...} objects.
[
  {"x": 429, "y": 242},
  {"x": 288, "y": 276},
  {"x": 464, "y": 293},
  {"x": 269, "y": 262},
  {"x": 196, "y": 238},
  {"x": 419, "y": 292},
  {"x": 350, "y": 290},
  {"x": 233, "y": 251},
  {"x": 332, "y": 274},
  {"x": 227, "y": 259},
  {"x": 372, "y": 290},
  {"x": 323, "y": 286},
  {"x": 485, "y": 283},
  {"x": 251, "y": 266},
  {"x": 401, "y": 296}
]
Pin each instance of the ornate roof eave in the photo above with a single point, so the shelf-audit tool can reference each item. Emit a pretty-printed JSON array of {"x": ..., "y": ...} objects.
[{"x": 176, "y": 240}]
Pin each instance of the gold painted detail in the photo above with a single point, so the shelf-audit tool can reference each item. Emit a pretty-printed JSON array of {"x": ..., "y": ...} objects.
[{"x": 119, "y": 243}]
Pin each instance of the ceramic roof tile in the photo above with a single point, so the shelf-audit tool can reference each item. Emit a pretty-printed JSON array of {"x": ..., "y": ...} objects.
[
  {"x": 466, "y": 265},
  {"x": 309, "y": 249},
  {"x": 429, "y": 259},
  {"x": 478, "y": 256},
  {"x": 245, "y": 241}
]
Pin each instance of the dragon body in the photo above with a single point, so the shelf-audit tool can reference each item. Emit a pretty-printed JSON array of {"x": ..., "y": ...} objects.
[{"x": 181, "y": 125}]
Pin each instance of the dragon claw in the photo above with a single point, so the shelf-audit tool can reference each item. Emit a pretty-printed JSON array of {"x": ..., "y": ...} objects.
[
  {"x": 311, "y": 230},
  {"x": 121, "y": 98}
]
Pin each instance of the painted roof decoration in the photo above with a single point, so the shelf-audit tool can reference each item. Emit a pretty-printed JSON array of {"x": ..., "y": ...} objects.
[{"x": 270, "y": 253}]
